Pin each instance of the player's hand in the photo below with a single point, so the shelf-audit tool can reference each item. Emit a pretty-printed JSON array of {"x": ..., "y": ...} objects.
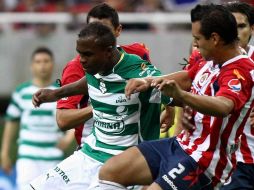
[
  {"x": 136, "y": 85},
  {"x": 187, "y": 118},
  {"x": 168, "y": 87},
  {"x": 167, "y": 119},
  {"x": 6, "y": 164},
  {"x": 44, "y": 95}
]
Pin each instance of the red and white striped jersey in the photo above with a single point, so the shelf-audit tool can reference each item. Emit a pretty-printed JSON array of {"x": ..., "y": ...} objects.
[
  {"x": 245, "y": 153},
  {"x": 215, "y": 139}
]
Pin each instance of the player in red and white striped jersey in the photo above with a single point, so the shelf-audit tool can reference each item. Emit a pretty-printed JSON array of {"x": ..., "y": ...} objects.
[
  {"x": 242, "y": 177},
  {"x": 222, "y": 95}
]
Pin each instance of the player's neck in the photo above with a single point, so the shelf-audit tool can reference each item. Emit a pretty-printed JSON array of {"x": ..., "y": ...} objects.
[
  {"x": 41, "y": 83},
  {"x": 227, "y": 53},
  {"x": 116, "y": 56}
]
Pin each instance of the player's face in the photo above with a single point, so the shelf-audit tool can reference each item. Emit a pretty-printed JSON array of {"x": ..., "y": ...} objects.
[
  {"x": 244, "y": 29},
  {"x": 94, "y": 59},
  {"x": 107, "y": 22},
  {"x": 204, "y": 45},
  {"x": 42, "y": 66}
]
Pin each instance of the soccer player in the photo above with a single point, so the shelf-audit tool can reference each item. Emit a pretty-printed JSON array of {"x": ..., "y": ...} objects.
[
  {"x": 68, "y": 116},
  {"x": 119, "y": 123},
  {"x": 40, "y": 141},
  {"x": 221, "y": 95},
  {"x": 242, "y": 177}
]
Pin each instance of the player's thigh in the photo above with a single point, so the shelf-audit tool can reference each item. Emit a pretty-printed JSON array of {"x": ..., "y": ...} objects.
[
  {"x": 127, "y": 168},
  {"x": 75, "y": 172}
]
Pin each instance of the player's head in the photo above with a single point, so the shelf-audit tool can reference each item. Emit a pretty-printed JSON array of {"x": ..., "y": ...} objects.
[
  {"x": 244, "y": 15},
  {"x": 106, "y": 15},
  {"x": 213, "y": 26},
  {"x": 95, "y": 46},
  {"x": 42, "y": 63}
]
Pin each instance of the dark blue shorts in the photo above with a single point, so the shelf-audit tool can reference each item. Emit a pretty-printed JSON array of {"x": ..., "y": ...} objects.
[
  {"x": 171, "y": 167},
  {"x": 242, "y": 178}
]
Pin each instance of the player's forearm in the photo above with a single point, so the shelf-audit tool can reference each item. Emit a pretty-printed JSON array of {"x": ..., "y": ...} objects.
[
  {"x": 77, "y": 88},
  {"x": 182, "y": 78},
  {"x": 9, "y": 133},
  {"x": 215, "y": 106},
  {"x": 71, "y": 118}
]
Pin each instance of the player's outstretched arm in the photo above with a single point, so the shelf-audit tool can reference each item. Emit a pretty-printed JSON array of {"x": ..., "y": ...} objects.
[
  {"x": 48, "y": 95},
  {"x": 181, "y": 77},
  {"x": 137, "y": 85},
  {"x": 216, "y": 106},
  {"x": 143, "y": 84}
]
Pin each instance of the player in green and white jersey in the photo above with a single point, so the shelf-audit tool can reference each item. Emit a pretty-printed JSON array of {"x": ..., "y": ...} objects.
[
  {"x": 38, "y": 144},
  {"x": 119, "y": 123}
]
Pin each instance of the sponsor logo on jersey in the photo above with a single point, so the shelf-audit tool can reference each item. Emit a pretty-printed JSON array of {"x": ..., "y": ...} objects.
[
  {"x": 235, "y": 85},
  {"x": 120, "y": 99},
  {"x": 122, "y": 110},
  {"x": 203, "y": 78},
  {"x": 147, "y": 72},
  {"x": 110, "y": 126},
  {"x": 65, "y": 98}
]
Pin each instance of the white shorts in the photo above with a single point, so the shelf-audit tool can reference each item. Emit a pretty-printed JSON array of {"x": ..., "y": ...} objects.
[
  {"x": 77, "y": 172},
  {"x": 28, "y": 169}
]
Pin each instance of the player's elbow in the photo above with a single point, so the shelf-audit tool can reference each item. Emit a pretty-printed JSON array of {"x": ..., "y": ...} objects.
[
  {"x": 224, "y": 113},
  {"x": 62, "y": 123}
]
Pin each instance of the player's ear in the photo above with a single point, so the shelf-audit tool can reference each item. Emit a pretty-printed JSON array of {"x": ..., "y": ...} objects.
[
  {"x": 215, "y": 38},
  {"x": 118, "y": 30}
]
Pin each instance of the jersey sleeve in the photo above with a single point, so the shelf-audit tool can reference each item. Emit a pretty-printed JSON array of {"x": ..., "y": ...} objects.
[
  {"x": 14, "y": 110},
  {"x": 70, "y": 74},
  {"x": 235, "y": 85}
]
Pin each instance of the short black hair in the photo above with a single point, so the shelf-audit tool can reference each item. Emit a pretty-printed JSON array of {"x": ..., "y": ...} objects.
[
  {"x": 218, "y": 19},
  {"x": 103, "y": 34},
  {"x": 42, "y": 50},
  {"x": 243, "y": 8},
  {"x": 104, "y": 11}
]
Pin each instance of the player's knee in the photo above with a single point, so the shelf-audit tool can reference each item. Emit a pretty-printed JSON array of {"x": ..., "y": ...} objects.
[
  {"x": 107, "y": 171},
  {"x": 110, "y": 171}
]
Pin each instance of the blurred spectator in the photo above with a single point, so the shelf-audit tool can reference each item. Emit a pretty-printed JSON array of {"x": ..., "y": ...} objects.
[
  {"x": 122, "y": 5},
  {"x": 176, "y": 5},
  {"x": 2, "y": 6},
  {"x": 27, "y": 6},
  {"x": 44, "y": 30},
  {"x": 149, "y": 6},
  {"x": 53, "y": 6}
]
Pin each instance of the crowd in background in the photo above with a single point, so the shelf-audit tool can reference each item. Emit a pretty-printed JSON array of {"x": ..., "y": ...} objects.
[{"x": 79, "y": 6}]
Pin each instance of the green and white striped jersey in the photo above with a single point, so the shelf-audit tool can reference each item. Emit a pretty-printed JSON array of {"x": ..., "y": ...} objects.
[
  {"x": 38, "y": 134},
  {"x": 120, "y": 123}
]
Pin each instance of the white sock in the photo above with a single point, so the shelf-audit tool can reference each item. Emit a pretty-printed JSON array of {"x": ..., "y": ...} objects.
[{"x": 109, "y": 185}]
